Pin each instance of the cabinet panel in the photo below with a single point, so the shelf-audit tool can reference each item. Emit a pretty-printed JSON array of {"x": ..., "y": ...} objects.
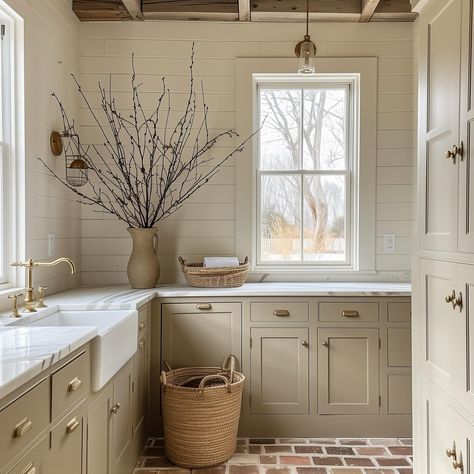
[
  {"x": 348, "y": 358},
  {"x": 399, "y": 394},
  {"x": 399, "y": 312},
  {"x": 442, "y": 428},
  {"x": 140, "y": 384},
  {"x": 279, "y": 370},
  {"x": 201, "y": 337},
  {"x": 443, "y": 328},
  {"x": 279, "y": 312},
  {"x": 399, "y": 347},
  {"x": 439, "y": 124},
  {"x": 67, "y": 437},
  {"x": 34, "y": 462}
]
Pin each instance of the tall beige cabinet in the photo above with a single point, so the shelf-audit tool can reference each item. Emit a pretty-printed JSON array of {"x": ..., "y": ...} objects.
[{"x": 443, "y": 276}]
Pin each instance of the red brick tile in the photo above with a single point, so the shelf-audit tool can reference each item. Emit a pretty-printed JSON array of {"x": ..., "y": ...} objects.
[
  {"x": 277, "y": 470},
  {"x": 262, "y": 441},
  {"x": 358, "y": 461},
  {"x": 353, "y": 442},
  {"x": 322, "y": 441},
  {"x": 295, "y": 460},
  {"x": 327, "y": 461},
  {"x": 311, "y": 470},
  {"x": 372, "y": 451},
  {"x": 255, "y": 449},
  {"x": 407, "y": 470},
  {"x": 157, "y": 462},
  {"x": 308, "y": 449},
  {"x": 342, "y": 450},
  {"x": 211, "y": 470},
  {"x": 278, "y": 448},
  {"x": 268, "y": 460},
  {"x": 396, "y": 462},
  {"x": 401, "y": 450},
  {"x": 247, "y": 469}
]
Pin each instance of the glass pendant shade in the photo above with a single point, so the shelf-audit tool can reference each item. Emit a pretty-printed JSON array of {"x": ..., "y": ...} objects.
[
  {"x": 76, "y": 173},
  {"x": 307, "y": 53}
]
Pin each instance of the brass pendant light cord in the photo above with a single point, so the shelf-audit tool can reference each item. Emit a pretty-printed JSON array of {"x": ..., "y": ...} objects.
[{"x": 307, "y": 17}]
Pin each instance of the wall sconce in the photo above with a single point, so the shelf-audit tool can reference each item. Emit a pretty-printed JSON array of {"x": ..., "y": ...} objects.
[{"x": 76, "y": 166}]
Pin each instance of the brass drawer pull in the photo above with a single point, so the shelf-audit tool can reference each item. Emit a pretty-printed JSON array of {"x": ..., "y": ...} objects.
[
  {"x": 350, "y": 313},
  {"x": 141, "y": 325},
  {"x": 141, "y": 344},
  {"x": 281, "y": 313},
  {"x": 72, "y": 425},
  {"x": 204, "y": 306},
  {"x": 456, "y": 301},
  {"x": 451, "y": 453},
  {"x": 457, "y": 463},
  {"x": 30, "y": 469},
  {"x": 22, "y": 428},
  {"x": 74, "y": 384},
  {"x": 115, "y": 408}
]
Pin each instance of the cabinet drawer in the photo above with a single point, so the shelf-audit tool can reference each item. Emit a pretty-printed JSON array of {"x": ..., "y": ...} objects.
[
  {"x": 23, "y": 420},
  {"x": 281, "y": 312},
  {"x": 350, "y": 311},
  {"x": 399, "y": 312},
  {"x": 70, "y": 384},
  {"x": 34, "y": 461}
]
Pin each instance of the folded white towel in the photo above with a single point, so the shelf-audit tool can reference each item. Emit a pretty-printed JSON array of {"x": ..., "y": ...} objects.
[{"x": 212, "y": 262}]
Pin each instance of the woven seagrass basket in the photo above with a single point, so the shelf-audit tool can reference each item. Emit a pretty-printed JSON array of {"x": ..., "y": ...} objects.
[
  {"x": 218, "y": 277},
  {"x": 200, "y": 424}
]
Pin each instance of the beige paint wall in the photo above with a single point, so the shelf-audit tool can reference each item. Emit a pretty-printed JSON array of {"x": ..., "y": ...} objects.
[
  {"x": 51, "y": 49},
  {"x": 206, "y": 225}
]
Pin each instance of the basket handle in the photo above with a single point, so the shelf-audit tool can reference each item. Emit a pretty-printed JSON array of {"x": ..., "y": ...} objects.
[
  {"x": 182, "y": 261},
  {"x": 167, "y": 366},
  {"x": 229, "y": 366},
  {"x": 163, "y": 378},
  {"x": 246, "y": 260},
  {"x": 208, "y": 378}
]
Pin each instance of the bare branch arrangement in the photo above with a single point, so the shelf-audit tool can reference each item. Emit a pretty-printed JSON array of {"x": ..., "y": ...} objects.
[{"x": 145, "y": 169}]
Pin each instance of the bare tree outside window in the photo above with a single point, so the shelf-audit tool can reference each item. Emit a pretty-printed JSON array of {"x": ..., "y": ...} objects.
[{"x": 304, "y": 174}]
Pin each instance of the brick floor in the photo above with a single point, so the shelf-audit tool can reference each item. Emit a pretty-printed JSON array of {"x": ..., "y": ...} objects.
[{"x": 296, "y": 456}]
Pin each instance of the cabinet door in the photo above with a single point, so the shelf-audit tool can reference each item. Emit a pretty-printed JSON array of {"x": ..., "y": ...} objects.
[
  {"x": 201, "y": 334},
  {"x": 67, "y": 442},
  {"x": 443, "y": 327},
  {"x": 348, "y": 371},
  {"x": 34, "y": 462},
  {"x": 466, "y": 169},
  {"x": 439, "y": 78},
  {"x": 98, "y": 432},
  {"x": 279, "y": 370},
  {"x": 121, "y": 421},
  {"x": 443, "y": 428}
]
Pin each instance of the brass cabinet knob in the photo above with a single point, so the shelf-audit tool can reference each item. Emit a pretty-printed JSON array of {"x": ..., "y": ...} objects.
[
  {"x": 141, "y": 344},
  {"x": 325, "y": 343},
  {"x": 455, "y": 301},
  {"x": 304, "y": 343},
  {"x": 457, "y": 463},
  {"x": 72, "y": 425},
  {"x": 451, "y": 453},
  {"x": 115, "y": 408},
  {"x": 74, "y": 384},
  {"x": 455, "y": 151},
  {"x": 141, "y": 325},
  {"x": 281, "y": 313}
]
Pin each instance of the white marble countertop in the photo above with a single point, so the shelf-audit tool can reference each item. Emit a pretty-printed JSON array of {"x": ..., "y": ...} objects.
[{"x": 26, "y": 351}]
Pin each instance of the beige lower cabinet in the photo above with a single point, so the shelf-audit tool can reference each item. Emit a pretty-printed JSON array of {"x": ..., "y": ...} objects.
[
  {"x": 34, "y": 462},
  {"x": 67, "y": 444},
  {"x": 279, "y": 381},
  {"x": 140, "y": 384},
  {"x": 201, "y": 334},
  {"x": 348, "y": 371},
  {"x": 443, "y": 431}
]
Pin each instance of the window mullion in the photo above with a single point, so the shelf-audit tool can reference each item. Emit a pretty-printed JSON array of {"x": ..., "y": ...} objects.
[{"x": 301, "y": 178}]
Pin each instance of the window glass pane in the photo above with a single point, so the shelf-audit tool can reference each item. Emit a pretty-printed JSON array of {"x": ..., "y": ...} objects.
[
  {"x": 324, "y": 123},
  {"x": 280, "y": 118},
  {"x": 324, "y": 214},
  {"x": 280, "y": 231}
]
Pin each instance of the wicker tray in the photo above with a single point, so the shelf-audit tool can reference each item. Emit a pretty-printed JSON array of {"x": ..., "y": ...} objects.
[{"x": 219, "y": 277}]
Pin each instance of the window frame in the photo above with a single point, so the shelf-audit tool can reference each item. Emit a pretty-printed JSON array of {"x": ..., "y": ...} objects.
[
  {"x": 299, "y": 82},
  {"x": 364, "y": 70}
]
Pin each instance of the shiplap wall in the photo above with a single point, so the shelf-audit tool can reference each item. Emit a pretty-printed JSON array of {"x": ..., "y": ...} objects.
[
  {"x": 51, "y": 53},
  {"x": 206, "y": 225}
]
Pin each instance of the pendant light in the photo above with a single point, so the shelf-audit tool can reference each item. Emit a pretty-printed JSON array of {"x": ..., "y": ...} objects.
[{"x": 306, "y": 50}]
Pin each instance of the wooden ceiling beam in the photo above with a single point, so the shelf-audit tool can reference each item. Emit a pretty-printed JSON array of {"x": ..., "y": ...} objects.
[
  {"x": 368, "y": 9},
  {"x": 134, "y": 7}
]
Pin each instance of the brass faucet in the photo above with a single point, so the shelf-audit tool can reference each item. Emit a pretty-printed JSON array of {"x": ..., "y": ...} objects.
[{"x": 30, "y": 300}]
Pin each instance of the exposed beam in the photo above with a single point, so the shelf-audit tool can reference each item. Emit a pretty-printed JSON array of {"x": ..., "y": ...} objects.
[
  {"x": 367, "y": 9},
  {"x": 100, "y": 10},
  {"x": 244, "y": 10},
  {"x": 190, "y": 16},
  {"x": 300, "y": 16},
  {"x": 134, "y": 7}
]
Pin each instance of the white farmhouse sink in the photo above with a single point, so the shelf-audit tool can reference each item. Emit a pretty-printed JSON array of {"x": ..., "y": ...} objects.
[{"x": 116, "y": 340}]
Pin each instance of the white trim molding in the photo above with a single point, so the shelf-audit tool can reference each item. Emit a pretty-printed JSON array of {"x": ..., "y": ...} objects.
[{"x": 364, "y": 73}]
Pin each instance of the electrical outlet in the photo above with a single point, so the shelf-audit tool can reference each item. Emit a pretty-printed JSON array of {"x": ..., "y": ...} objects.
[
  {"x": 51, "y": 244},
  {"x": 389, "y": 241}
]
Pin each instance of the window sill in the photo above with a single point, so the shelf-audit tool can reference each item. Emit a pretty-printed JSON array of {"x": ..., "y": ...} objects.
[{"x": 6, "y": 290}]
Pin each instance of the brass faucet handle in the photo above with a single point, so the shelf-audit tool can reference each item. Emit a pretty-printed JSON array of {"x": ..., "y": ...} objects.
[
  {"x": 15, "y": 264},
  {"x": 41, "y": 303},
  {"x": 15, "y": 313}
]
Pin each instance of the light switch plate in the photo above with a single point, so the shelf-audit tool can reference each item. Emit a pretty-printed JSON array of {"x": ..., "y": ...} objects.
[{"x": 389, "y": 241}]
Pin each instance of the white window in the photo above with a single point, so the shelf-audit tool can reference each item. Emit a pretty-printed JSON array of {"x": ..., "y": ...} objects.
[
  {"x": 8, "y": 202},
  {"x": 305, "y": 172},
  {"x": 305, "y": 187}
]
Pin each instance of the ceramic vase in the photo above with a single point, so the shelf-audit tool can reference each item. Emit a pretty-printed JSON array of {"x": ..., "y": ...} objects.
[{"x": 143, "y": 268}]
